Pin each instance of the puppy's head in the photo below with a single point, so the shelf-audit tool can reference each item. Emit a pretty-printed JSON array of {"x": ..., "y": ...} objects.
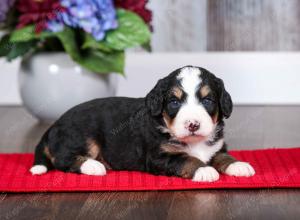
[{"x": 191, "y": 101}]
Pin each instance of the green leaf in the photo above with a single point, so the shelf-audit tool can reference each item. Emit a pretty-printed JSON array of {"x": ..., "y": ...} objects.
[
  {"x": 28, "y": 33},
  {"x": 24, "y": 34},
  {"x": 100, "y": 62},
  {"x": 13, "y": 50},
  {"x": 131, "y": 32},
  {"x": 5, "y": 45},
  {"x": 19, "y": 49},
  {"x": 94, "y": 60},
  {"x": 68, "y": 39},
  {"x": 90, "y": 42},
  {"x": 147, "y": 46}
]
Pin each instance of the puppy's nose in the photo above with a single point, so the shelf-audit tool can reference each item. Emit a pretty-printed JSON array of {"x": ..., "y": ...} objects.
[{"x": 194, "y": 126}]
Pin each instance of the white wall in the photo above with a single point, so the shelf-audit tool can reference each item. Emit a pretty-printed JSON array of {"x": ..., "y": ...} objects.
[
  {"x": 251, "y": 78},
  {"x": 8, "y": 83}
]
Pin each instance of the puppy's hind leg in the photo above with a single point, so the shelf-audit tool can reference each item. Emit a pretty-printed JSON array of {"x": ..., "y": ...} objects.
[
  {"x": 91, "y": 164},
  {"x": 76, "y": 156},
  {"x": 81, "y": 164},
  {"x": 42, "y": 161}
]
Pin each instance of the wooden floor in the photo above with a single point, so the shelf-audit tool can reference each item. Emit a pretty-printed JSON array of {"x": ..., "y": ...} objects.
[{"x": 249, "y": 127}]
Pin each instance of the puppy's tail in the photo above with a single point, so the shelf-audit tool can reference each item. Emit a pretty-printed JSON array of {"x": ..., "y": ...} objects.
[{"x": 42, "y": 162}]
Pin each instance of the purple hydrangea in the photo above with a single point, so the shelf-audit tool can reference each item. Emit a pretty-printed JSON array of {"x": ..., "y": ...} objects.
[
  {"x": 5, "y": 5},
  {"x": 93, "y": 16}
]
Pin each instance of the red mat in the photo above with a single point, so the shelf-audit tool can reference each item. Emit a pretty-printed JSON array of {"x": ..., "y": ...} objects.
[{"x": 275, "y": 168}]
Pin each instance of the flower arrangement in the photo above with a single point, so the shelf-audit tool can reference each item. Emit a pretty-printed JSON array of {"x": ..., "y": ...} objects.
[{"x": 95, "y": 33}]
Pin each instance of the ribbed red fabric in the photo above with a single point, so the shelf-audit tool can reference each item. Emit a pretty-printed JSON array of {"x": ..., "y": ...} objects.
[{"x": 275, "y": 168}]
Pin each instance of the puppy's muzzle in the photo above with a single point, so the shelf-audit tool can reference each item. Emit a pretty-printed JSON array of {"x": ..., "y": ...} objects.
[{"x": 192, "y": 126}]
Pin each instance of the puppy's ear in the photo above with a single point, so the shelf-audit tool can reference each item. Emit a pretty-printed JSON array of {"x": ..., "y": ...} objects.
[
  {"x": 155, "y": 98},
  {"x": 225, "y": 101}
]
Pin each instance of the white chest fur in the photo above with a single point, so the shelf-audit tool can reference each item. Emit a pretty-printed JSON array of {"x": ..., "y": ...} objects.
[{"x": 204, "y": 152}]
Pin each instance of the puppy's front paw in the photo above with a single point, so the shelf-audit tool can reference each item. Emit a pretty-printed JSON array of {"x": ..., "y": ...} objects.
[
  {"x": 240, "y": 169},
  {"x": 206, "y": 174}
]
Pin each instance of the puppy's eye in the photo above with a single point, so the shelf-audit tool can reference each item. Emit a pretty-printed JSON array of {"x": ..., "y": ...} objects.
[
  {"x": 208, "y": 102},
  {"x": 174, "y": 104}
]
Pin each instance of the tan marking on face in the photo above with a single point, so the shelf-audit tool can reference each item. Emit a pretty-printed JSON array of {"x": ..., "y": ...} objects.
[
  {"x": 177, "y": 92},
  {"x": 190, "y": 166},
  {"x": 48, "y": 154},
  {"x": 215, "y": 118},
  {"x": 167, "y": 120},
  {"x": 204, "y": 91}
]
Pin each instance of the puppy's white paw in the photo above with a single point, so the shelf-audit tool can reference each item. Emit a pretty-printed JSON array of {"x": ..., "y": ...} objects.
[
  {"x": 93, "y": 167},
  {"x": 38, "y": 170},
  {"x": 206, "y": 174},
  {"x": 240, "y": 169}
]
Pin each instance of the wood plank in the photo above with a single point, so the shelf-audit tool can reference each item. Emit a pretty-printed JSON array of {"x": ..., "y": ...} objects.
[{"x": 197, "y": 204}]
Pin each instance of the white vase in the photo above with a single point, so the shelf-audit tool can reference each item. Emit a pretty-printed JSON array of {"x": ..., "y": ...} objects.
[{"x": 51, "y": 83}]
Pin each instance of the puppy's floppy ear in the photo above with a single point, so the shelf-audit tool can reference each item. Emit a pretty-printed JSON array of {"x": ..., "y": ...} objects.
[
  {"x": 155, "y": 98},
  {"x": 225, "y": 99}
]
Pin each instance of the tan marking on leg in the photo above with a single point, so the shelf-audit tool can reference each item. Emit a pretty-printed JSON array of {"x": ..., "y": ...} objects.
[
  {"x": 93, "y": 149},
  {"x": 95, "y": 152},
  {"x": 48, "y": 154},
  {"x": 204, "y": 91},
  {"x": 190, "y": 166},
  {"x": 78, "y": 163},
  {"x": 221, "y": 161}
]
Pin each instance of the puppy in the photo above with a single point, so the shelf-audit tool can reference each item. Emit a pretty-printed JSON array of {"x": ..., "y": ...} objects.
[{"x": 176, "y": 130}]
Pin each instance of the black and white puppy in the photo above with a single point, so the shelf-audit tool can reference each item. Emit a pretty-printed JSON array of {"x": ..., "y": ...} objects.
[{"x": 176, "y": 130}]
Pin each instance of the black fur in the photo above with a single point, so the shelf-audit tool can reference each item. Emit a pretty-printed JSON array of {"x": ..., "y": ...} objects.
[
  {"x": 126, "y": 130},
  {"x": 223, "y": 97}
]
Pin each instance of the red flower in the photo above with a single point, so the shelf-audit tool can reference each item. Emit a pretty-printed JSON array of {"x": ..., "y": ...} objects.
[
  {"x": 37, "y": 12},
  {"x": 137, "y": 6}
]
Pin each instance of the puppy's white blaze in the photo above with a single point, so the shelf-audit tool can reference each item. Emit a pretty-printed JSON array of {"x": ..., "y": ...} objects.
[
  {"x": 190, "y": 79},
  {"x": 202, "y": 151},
  {"x": 240, "y": 169},
  {"x": 191, "y": 110},
  {"x": 38, "y": 170},
  {"x": 93, "y": 167},
  {"x": 206, "y": 174}
]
